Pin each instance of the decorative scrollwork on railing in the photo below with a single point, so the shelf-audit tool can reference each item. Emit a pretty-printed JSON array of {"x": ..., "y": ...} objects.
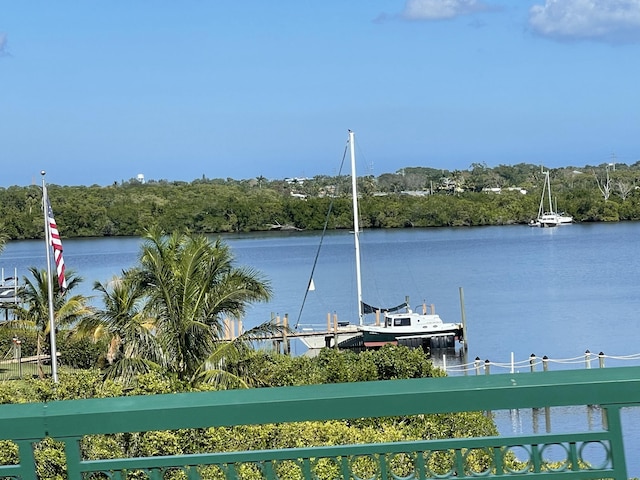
[{"x": 497, "y": 459}]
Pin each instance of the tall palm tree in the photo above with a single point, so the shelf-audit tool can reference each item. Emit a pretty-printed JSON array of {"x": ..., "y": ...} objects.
[
  {"x": 192, "y": 285},
  {"x": 188, "y": 286},
  {"x": 67, "y": 309}
]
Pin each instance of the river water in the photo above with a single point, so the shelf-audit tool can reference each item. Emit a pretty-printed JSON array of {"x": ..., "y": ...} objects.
[{"x": 554, "y": 292}]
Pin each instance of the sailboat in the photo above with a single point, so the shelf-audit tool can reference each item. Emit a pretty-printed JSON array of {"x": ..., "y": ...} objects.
[
  {"x": 397, "y": 325},
  {"x": 549, "y": 217}
]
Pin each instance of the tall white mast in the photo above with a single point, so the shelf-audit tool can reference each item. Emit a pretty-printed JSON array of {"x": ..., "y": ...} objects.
[
  {"x": 356, "y": 225},
  {"x": 549, "y": 193}
]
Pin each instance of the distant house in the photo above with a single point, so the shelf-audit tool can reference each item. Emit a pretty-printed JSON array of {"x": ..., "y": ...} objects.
[{"x": 450, "y": 185}]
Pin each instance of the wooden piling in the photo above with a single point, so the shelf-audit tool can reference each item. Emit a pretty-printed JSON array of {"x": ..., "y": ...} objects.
[
  {"x": 227, "y": 335},
  {"x": 464, "y": 319},
  {"x": 285, "y": 341}
]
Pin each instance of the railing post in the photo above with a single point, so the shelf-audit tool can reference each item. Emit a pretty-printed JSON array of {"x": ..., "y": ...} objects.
[
  {"x": 532, "y": 362},
  {"x": 17, "y": 354},
  {"x": 614, "y": 426},
  {"x": 74, "y": 457},
  {"x": 487, "y": 367},
  {"x": 477, "y": 365},
  {"x": 587, "y": 359},
  {"x": 27, "y": 460},
  {"x": 601, "y": 359},
  {"x": 545, "y": 363}
]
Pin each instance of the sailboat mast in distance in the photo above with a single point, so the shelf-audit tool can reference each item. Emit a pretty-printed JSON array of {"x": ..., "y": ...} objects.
[{"x": 356, "y": 224}]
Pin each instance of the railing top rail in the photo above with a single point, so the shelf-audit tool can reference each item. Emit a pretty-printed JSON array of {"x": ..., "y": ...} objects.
[{"x": 73, "y": 418}]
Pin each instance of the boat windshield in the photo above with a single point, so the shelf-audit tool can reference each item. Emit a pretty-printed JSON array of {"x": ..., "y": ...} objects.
[{"x": 402, "y": 322}]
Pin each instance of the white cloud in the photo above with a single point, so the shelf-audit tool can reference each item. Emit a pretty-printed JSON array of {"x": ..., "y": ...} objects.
[
  {"x": 440, "y": 9},
  {"x": 3, "y": 43},
  {"x": 607, "y": 20}
]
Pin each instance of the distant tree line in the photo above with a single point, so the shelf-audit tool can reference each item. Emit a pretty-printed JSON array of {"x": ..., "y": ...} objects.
[{"x": 411, "y": 197}]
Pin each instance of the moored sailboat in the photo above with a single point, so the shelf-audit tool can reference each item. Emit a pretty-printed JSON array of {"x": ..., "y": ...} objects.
[
  {"x": 549, "y": 217},
  {"x": 400, "y": 324}
]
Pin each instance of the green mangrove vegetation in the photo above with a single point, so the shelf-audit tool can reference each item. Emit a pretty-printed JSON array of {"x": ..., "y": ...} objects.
[{"x": 412, "y": 197}]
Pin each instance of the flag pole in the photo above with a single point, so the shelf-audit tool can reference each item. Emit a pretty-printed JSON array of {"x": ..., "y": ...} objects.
[{"x": 47, "y": 239}]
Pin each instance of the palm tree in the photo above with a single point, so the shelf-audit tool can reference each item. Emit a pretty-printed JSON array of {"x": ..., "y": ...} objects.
[
  {"x": 171, "y": 309},
  {"x": 67, "y": 309},
  {"x": 125, "y": 328},
  {"x": 226, "y": 366}
]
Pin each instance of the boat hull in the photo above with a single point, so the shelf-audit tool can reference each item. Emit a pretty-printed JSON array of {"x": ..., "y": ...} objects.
[
  {"x": 444, "y": 337},
  {"x": 391, "y": 336},
  {"x": 549, "y": 220}
]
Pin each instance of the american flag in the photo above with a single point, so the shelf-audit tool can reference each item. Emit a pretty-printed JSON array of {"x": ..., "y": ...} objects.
[{"x": 56, "y": 244}]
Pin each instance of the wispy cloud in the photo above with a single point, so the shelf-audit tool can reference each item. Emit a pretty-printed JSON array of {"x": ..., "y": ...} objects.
[
  {"x": 3, "y": 44},
  {"x": 615, "y": 21},
  {"x": 441, "y": 9}
]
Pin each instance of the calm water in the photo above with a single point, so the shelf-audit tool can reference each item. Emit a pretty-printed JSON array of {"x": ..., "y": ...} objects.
[{"x": 555, "y": 292}]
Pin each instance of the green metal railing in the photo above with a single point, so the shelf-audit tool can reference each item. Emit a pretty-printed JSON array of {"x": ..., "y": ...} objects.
[{"x": 70, "y": 421}]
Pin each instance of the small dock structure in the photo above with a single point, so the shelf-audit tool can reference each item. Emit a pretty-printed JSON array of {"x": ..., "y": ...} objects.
[{"x": 10, "y": 292}]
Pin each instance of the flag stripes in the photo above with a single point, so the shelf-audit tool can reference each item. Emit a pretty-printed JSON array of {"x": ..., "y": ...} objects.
[{"x": 56, "y": 244}]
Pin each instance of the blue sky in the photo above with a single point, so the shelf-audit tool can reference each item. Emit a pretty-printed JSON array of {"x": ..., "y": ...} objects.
[{"x": 98, "y": 92}]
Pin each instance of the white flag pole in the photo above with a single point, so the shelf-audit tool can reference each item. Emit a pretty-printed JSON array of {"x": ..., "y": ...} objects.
[{"x": 47, "y": 239}]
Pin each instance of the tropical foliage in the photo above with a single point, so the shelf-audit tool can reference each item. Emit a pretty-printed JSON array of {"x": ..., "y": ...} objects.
[
  {"x": 417, "y": 196},
  {"x": 330, "y": 366},
  {"x": 33, "y": 315},
  {"x": 168, "y": 313}
]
